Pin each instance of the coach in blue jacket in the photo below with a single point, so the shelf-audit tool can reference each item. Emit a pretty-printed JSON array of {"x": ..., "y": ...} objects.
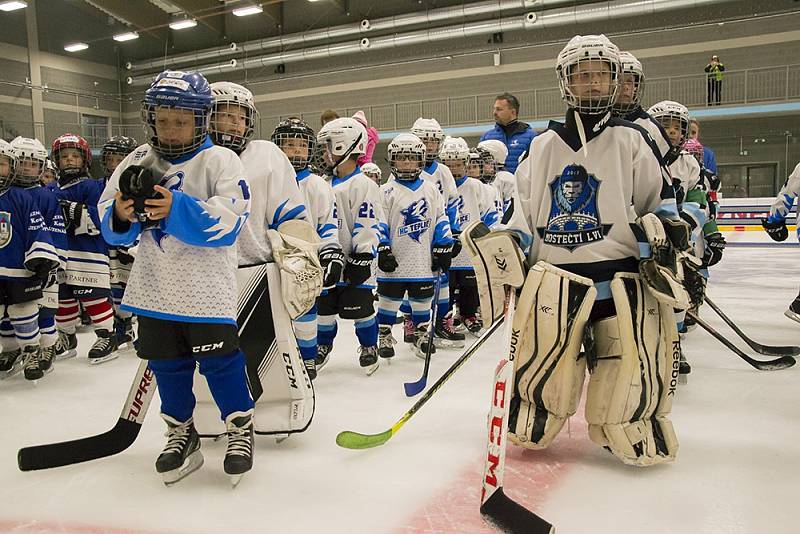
[{"x": 516, "y": 135}]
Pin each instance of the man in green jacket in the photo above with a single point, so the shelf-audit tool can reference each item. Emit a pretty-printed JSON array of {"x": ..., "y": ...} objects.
[{"x": 714, "y": 69}]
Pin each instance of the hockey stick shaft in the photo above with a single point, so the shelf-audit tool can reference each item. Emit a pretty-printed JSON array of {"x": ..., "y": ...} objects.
[
  {"x": 413, "y": 388},
  {"x": 770, "y": 365},
  {"x": 116, "y": 440},
  {"x": 355, "y": 440},
  {"x": 767, "y": 350}
]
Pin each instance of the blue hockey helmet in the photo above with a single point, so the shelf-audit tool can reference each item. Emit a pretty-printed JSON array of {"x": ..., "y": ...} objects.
[{"x": 174, "y": 89}]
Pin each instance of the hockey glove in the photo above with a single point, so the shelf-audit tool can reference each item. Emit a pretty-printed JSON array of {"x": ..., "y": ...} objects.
[
  {"x": 332, "y": 261},
  {"x": 440, "y": 258},
  {"x": 73, "y": 214},
  {"x": 358, "y": 268},
  {"x": 695, "y": 284},
  {"x": 386, "y": 260},
  {"x": 456, "y": 245},
  {"x": 776, "y": 229},
  {"x": 44, "y": 270},
  {"x": 138, "y": 183},
  {"x": 715, "y": 245},
  {"x": 680, "y": 194},
  {"x": 123, "y": 257}
]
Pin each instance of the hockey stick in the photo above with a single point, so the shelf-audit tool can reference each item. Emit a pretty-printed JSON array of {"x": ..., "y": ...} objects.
[
  {"x": 767, "y": 350},
  {"x": 496, "y": 507},
  {"x": 109, "y": 443},
  {"x": 413, "y": 388},
  {"x": 355, "y": 440},
  {"x": 770, "y": 365}
]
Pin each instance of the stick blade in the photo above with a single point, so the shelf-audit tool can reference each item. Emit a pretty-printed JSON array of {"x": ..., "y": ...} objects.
[
  {"x": 355, "y": 440},
  {"x": 775, "y": 365},
  {"x": 776, "y": 350},
  {"x": 415, "y": 388},
  {"x": 511, "y": 517}
]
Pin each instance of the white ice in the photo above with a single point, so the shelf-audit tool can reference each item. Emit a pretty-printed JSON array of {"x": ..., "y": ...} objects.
[{"x": 737, "y": 470}]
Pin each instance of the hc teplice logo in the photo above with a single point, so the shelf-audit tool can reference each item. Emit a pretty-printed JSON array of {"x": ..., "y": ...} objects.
[
  {"x": 574, "y": 220},
  {"x": 415, "y": 220},
  {"x": 6, "y": 230}
]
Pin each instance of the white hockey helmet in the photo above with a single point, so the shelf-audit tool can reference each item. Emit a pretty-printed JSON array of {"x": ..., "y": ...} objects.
[
  {"x": 232, "y": 94},
  {"x": 31, "y": 160},
  {"x": 343, "y": 137},
  {"x": 586, "y": 55},
  {"x": 629, "y": 66},
  {"x": 667, "y": 111},
  {"x": 406, "y": 146},
  {"x": 454, "y": 149},
  {"x": 497, "y": 149},
  {"x": 8, "y": 152},
  {"x": 431, "y": 133},
  {"x": 372, "y": 171}
]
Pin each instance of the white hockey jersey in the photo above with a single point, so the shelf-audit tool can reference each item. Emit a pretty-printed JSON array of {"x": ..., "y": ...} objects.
[
  {"x": 783, "y": 203},
  {"x": 321, "y": 207},
  {"x": 506, "y": 185},
  {"x": 493, "y": 195},
  {"x": 578, "y": 208},
  {"x": 686, "y": 169},
  {"x": 415, "y": 220},
  {"x": 185, "y": 268},
  {"x": 641, "y": 118},
  {"x": 441, "y": 176},
  {"x": 474, "y": 203},
  {"x": 276, "y": 198}
]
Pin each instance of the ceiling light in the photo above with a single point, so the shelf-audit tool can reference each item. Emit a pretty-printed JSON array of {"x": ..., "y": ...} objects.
[
  {"x": 75, "y": 47},
  {"x": 13, "y": 5},
  {"x": 182, "y": 24},
  {"x": 127, "y": 36},
  {"x": 249, "y": 10}
]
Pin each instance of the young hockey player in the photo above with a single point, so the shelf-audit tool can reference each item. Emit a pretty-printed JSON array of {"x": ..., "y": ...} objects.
[
  {"x": 27, "y": 260},
  {"x": 416, "y": 243},
  {"x": 359, "y": 212},
  {"x": 297, "y": 140},
  {"x": 119, "y": 259},
  {"x": 370, "y": 170},
  {"x": 584, "y": 214},
  {"x": 488, "y": 176},
  {"x": 503, "y": 181},
  {"x": 431, "y": 133},
  {"x": 50, "y": 174},
  {"x": 185, "y": 200},
  {"x": 87, "y": 273}
]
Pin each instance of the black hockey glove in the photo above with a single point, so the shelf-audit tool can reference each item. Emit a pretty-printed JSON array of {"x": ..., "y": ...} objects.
[
  {"x": 138, "y": 183},
  {"x": 680, "y": 194},
  {"x": 123, "y": 257},
  {"x": 386, "y": 260},
  {"x": 456, "y": 245},
  {"x": 73, "y": 213},
  {"x": 358, "y": 268},
  {"x": 695, "y": 285},
  {"x": 715, "y": 245},
  {"x": 332, "y": 261},
  {"x": 777, "y": 229},
  {"x": 44, "y": 270},
  {"x": 440, "y": 258}
]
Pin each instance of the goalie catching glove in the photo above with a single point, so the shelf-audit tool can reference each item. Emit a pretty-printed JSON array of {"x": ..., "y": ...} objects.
[
  {"x": 294, "y": 247},
  {"x": 663, "y": 271}
]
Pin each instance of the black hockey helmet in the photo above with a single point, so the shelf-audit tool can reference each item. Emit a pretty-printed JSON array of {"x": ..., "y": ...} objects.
[
  {"x": 119, "y": 144},
  {"x": 295, "y": 128}
]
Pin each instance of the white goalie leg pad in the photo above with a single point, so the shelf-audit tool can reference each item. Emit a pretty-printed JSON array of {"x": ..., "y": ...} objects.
[
  {"x": 634, "y": 376},
  {"x": 294, "y": 247},
  {"x": 498, "y": 261},
  {"x": 551, "y": 317}
]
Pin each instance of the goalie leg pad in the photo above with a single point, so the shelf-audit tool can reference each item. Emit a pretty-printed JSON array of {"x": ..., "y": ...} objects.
[
  {"x": 633, "y": 379},
  {"x": 498, "y": 261},
  {"x": 294, "y": 247},
  {"x": 550, "y": 319}
]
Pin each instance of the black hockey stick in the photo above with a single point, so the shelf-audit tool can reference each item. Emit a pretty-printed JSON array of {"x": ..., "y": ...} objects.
[
  {"x": 108, "y": 443},
  {"x": 413, "y": 388},
  {"x": 767, "y": 350},
  {"x": 770, "y": 365}
]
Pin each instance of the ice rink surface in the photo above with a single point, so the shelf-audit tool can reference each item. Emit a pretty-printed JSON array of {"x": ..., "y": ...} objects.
[{"x": 737, "y": 470}]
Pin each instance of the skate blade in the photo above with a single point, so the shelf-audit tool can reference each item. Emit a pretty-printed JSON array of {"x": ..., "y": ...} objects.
[
  {"x": 280, "y": 438},
  {"x": 11, "y": 372},
  {"x": 113, "y": 356},
  {"x": 44, "y": 374},
  {"x": 370, "y": 369},
  {"x": 322, "y": 364},
  {"x": 683, "y": 379},
  {"x": 235, "y": 479},
  {"x": 792, "y": 315},
  {"x": 66, "y": 355},
  {"x": 192, "y": 463}
]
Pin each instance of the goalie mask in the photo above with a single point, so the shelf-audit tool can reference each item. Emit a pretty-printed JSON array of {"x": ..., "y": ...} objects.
[
  {"x": 431, "y": 134},
  {"x": 674, "y": 118},
  {"x": 72, "y": 155},
  {"x": 7, "y": 164},
  {"x": 455, "y": 155},
  {"x": 342, "y": 138},
  {"x": 234, "y": 116},
  {"x": 297, "y": 140},
  {"x": 115, "y": 150},
  {"x": 31, "y": 161},
  {"x": 406, "y": 155},
  {"x": 631, "y": 85},
  {"x": 176, "y": 111},
  {"x": 588, "y": 72}
]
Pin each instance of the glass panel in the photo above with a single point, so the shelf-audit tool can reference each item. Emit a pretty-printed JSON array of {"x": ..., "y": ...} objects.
[{"x": 761, "y": 180}]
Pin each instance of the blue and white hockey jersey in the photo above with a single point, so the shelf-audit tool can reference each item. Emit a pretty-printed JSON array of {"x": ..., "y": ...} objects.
[
  {"x": 24, "y": 239},
  {"x": 785, "y": 199},
  {"x": 506, "y": 185},
  {"x": 50, "y": 209},
  {"x": 415, "y": 221},
  {"x": 474, "y": 203},
  {"x": 321, "y": 206},
  {"x": 185, "y": 268},
  {"x": 441, "y": 176}
]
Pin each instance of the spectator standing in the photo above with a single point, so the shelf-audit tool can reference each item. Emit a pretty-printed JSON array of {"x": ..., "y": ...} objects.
[
  {"x": 709, "y": 158},
  {"x": 327, "y": 116},
  {"x": 516, "y": 135},
  {"x": 714, "y": 69}
]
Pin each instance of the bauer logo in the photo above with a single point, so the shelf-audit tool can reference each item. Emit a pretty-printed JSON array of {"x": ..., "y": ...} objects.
[
  {"x": 574, "y": 220},
  {"x": 415, "y": 220},
  {"x": 6, "y": 231}
]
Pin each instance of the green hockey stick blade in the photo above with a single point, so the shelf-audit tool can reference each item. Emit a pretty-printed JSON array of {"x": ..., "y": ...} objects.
[{"x": 354, "y": 440}]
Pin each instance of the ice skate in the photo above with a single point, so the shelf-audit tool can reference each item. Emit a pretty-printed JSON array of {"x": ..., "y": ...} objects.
[
  {"x": 386, "y": 342},
  {"x": 181, "y": 455},
  {"x": 105, "y": 348},
  {"x": 66, "y": 345},
  {"x": 368, "y": 359},
  {"x": 239, "y": 456}
]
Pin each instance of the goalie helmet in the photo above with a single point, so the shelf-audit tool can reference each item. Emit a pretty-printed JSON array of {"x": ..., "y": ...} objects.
[
  {"x": 488, "y": 165},
  {"x": 174, "y": 89},
  {"x": 7, "y": 164},
  {"x": 31, "y": 161},
  {"x": 68, "y": 172},
  {"x": 631, "y": 85},
  {"x": 119, "y": 145},
  {"x": 229, "y": 129},
  {"x": 406, "y": 148},
  {"x": 298, "y": 130},
  {"x": 497, "y": 149},
  {"x": 431, "y": 133},
  {"x": 581, "y": 68},
  {"x": 342, "y": 138},
  {"x": 372, "y": 171}
]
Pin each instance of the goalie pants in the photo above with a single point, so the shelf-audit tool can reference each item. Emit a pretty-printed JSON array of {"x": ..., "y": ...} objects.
[
  {"x": 390, "y": 297},
  {"x": 175, "y": 348},
  {"x": 464, "y": 292},
  {"x": 348, "y": 302}
]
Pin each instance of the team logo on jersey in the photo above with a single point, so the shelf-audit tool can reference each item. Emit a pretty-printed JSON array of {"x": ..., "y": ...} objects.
[
  {"x": 6, "y": 231},
  {"x": 458, "y": 207},
  {"x": 173, "y": 182},
  {"x": 574, "y": 220},
  {"x": 415, "y": 220}
]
